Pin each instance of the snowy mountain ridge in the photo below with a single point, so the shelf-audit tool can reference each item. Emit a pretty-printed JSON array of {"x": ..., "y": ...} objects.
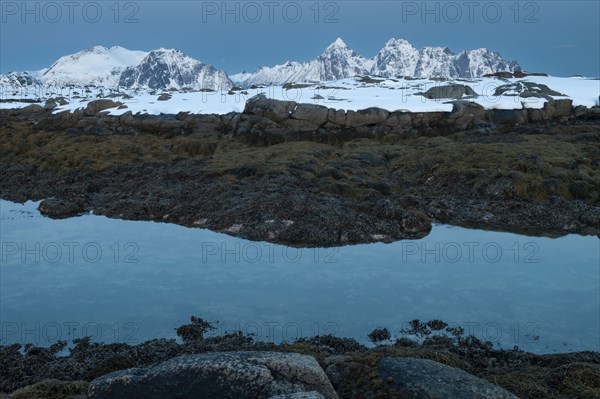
[
  {"x": 98, "y": 66},
  {"x": 117, "y": 66},
  {"x": 397, "y": 58},
  {"x": 171, "y": 68},
  {"x": 15, "y": 81},
  {"x": 337, "y": 61}
]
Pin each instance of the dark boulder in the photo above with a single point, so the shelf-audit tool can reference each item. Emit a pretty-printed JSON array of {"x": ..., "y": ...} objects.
[
  {"x": 422, "y": 378},
  {"x": 59, "y": 208},
  {"x": 454, "y": 91},
  {"x": 96, "y": 106},
  {"x": 31, "y": 109}
]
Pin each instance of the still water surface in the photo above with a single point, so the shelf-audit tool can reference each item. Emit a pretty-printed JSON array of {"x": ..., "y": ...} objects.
[{"x": 131, "y": 281}]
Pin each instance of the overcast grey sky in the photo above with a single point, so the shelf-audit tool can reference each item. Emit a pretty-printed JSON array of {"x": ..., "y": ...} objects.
[{"x": 558, "y": 37}]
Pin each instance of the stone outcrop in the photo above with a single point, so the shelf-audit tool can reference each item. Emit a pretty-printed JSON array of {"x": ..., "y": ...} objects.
[
  {"x": 312, "y": 113},
  {"x": 235, "y": 375},
  {"x": 422, "y": 378},
  {"x": 269, "y": 121}
]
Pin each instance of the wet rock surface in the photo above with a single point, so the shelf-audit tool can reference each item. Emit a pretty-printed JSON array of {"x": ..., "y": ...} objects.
[
  {"x": 235, "y": 375},
  {"x": 422, "y": 378}
]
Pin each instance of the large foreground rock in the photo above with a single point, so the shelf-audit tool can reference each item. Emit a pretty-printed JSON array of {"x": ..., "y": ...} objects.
[
  {"x": 235, "y": 375},
  {"x": 421, "y": 378}
]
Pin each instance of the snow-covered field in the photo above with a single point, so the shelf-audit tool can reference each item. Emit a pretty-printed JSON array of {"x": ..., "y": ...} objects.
[{"x": 347, "y": 94}]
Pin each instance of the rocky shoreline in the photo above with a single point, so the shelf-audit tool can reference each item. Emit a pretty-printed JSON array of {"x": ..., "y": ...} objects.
[
  {"x": 306, "y": 175},
  {"x": 430, "y": 360}
]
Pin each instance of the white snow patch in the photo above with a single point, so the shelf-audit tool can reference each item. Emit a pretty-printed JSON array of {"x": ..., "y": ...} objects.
[{"x": 346, "y": 94}]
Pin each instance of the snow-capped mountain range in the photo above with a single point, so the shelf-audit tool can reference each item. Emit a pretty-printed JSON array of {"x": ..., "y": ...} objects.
[
  {"x": 169, "y": 68},
  {"x": 337, "y": 62},
  {"x": 400, "y": 58},
  {"x": 118, "y": 67},
  {"x": 397, "y": 58}
]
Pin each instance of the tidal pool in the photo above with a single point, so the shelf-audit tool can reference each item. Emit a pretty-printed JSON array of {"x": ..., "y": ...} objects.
[{"x": 130, "y": 281}]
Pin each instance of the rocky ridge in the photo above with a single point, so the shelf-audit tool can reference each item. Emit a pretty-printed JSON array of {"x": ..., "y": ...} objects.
[{"x": 275, "y": 121}]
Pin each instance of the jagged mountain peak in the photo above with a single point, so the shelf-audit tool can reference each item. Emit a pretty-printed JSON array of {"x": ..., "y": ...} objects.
[
  {"x": 171, "y": 68},
  {"x": 172, "y": 57},
  {"x": 399, "y": 58},
  {"x": 392, "y": 42},
  {"x": 339, "y": 43},
  {"x": 339, "y": 49},
  {"x": 338, "y": 61}
]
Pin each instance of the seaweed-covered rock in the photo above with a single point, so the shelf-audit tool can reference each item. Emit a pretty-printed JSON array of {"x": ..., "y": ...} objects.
[{"x": 59, "y": 208}]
